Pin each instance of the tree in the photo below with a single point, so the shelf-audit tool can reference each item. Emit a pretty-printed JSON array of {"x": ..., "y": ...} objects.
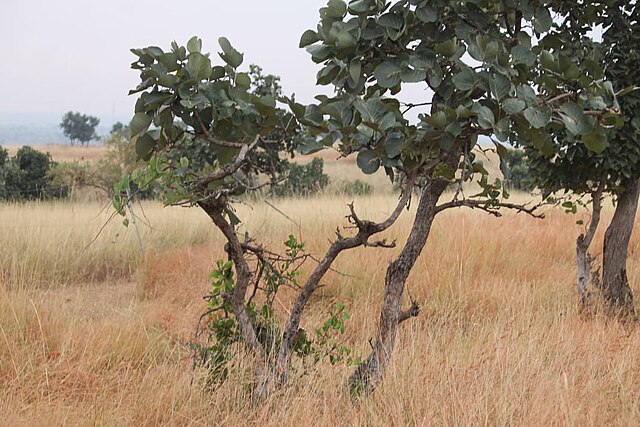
[
  {"x": 79, "y": 127},
  {"x": 518, "y": 175},
  {"x": 611, "y": 167},
  {"x": 369, "y": 50},
  {"x": 494, "y": 68},
  {"x": 182, "y": 94},
  {"x": 26, "y": 176}
]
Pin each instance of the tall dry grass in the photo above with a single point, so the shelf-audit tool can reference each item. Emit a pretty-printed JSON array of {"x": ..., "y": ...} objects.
[{"x": 499, "y": 340}]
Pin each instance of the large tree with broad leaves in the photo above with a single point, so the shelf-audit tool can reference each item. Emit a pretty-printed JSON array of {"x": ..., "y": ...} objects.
[
  {"x": 504, "y": 70},
  {"x": 611, "y": 166}
]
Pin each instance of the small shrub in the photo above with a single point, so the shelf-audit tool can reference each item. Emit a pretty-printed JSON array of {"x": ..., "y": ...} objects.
[
  {"x": 304, "y": 180},
  {"x": 355, "y": 188}
]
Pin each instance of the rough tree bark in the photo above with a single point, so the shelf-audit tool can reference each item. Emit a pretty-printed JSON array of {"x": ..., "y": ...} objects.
[
  {"x": 615, "y": 283},
  {"x": 583, "y": 242},
  {"x": 369, "y": 373}
]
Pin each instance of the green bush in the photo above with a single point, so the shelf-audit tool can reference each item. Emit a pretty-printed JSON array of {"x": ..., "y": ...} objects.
[
  {"x": 304, "y": 180},
  {"x": 519, "y": 171},
  {"x": 355, "y": 188},
  {"x": 26, "y": 176}
]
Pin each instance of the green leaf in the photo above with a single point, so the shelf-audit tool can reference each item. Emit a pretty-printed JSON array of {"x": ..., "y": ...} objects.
[
  {"x": 427, "y": 14},
  {"x": 513, "y": 106},
  {"x": 523, "y": 55},
  {"x": 355, "y": 71},
  {"x": 387, "y": 74},
  {"x": 538, "y": 117},
  {"x": 371, "y": 110},
  {"x": 547, "y": 60},
  {"x": 217, "y": 72},
  {"x": 357, "y": 7},
  {"x": 447, "y": 48},
  {"x": 144, "y": 146},
  {"x": 465, "y": 79},
  {"x": 335, "y": 9},
  {"x": 393, "y": 144},
  {"x": 199, "y": 66},
  {"x": 595, "y": 141},
  {"x": 194, "y": 45},
  {"x": 243, "y": 81},
  {"x": 412, "y": 75},
  {"x": 368, "y": 161},
  {"x": 527, "y": 94},
  {"x": 229, "y": 54},
  {"x": 542, "y": 21},
  {"x": 486, "y": 119},
  {"x": 574, "y": 119},
  {"x": 438, "y": 120},
  {"x": 327, "y": 74},
  {"x": 139, "y": 123},
  {"x": 391, "y": 20},
  {"x": 308, "y": 37},
  {"x": 627, "y": 90},
  {"x": 500, "y": 86}
]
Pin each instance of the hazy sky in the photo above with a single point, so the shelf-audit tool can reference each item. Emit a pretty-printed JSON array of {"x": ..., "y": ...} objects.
[{"x": 61, "y": 55}]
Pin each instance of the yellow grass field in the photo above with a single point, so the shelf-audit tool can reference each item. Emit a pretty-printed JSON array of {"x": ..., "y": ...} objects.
[
  {"x": 97, "y": 333},
  {"x": 66, "y": 153}
]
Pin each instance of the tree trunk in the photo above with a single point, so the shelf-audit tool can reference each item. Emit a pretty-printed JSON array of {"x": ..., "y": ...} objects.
[
  {"x": 370, "y": 372},
  {"x": 615, "y": 284},
  {"x": 583, "y": 243}
]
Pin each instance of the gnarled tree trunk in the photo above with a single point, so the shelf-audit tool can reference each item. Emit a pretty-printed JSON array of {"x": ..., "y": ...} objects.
[
  {"x": 371, "y": 370},
  {"x": 615, "y": 283}
]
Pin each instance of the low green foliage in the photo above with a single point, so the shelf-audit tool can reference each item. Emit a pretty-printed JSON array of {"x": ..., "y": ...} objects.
[
  {"x": 26, "y": 176},
  {"x": 354, "y": 188},
  {"x": 221, "y": 330},
  {"x": 304, "y": 180},
  {"x": 519, "y": 174}
]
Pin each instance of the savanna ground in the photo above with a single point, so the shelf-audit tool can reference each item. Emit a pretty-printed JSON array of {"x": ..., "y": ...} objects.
[{"x": 97, "y": 334}]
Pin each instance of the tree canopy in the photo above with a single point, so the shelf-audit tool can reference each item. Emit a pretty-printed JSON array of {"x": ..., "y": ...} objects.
[{"x": 79, "y": 127}]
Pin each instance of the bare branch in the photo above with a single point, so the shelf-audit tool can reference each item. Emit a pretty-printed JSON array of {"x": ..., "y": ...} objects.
[
  {"x": 413, "y": 311},
  {"x": 490, "y": 206}
]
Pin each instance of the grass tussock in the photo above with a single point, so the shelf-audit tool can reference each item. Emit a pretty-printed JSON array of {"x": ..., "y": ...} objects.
[{"x": 499, "y": 340}]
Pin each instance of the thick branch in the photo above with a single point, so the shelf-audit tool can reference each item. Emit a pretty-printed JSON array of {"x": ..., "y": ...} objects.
[
  {"x": 232, "y": 168},
  {"x": 585, "y": 239},
  {"x": 243, "y": 276},
  {"x": 212, "y": 139}
]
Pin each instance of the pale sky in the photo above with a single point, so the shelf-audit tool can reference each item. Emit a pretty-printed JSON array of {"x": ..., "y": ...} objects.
[{"x": 61, "y": 55}]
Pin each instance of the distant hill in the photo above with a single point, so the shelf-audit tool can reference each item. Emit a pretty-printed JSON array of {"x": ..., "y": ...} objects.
[{"x": 40, "y": 128}]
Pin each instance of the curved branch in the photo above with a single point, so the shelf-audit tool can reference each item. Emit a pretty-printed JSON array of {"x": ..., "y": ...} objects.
[
  {"x": 232, "y": 168},
  {"x": 212, "y": 139}
]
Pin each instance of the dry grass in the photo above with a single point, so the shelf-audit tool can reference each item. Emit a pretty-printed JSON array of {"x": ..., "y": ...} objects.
[
  {"x": 67, "y": 153},
  {"x": 499, "y": 340}
]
